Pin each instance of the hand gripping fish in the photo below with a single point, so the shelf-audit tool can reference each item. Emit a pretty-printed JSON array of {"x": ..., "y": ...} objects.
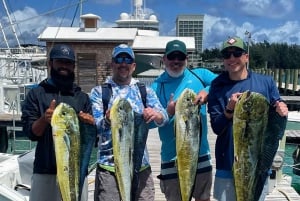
[
  {"x": 122, "y": 127},
  {"x": 187, "y": 129},
  {"x": 257, "y": 129},
  {"x": 66, "y": 137}
]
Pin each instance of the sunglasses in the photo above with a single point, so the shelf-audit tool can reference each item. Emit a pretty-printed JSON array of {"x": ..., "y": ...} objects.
[
  {"x": 180, "y": 57},
  {"x": 236, "y": 54},
  {"x": 119, "y": 60}
]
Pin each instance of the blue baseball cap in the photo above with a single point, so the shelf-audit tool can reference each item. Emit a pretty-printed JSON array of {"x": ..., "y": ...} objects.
[
  {"x": 123, "y": 48},
  {"x": 62, "y": 51}
]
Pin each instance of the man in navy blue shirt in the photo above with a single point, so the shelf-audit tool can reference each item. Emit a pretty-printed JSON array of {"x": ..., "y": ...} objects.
[{"x": 224, "y": 93}]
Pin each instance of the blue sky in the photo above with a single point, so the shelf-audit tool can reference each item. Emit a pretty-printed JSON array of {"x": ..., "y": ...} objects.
[{"x": 271, "y": 20}]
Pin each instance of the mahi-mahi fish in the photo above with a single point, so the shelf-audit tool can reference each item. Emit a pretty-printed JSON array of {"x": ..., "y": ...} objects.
[
  {"x": 66, "y": 137},
  {"x": 257, "y": 129},
  {"x": 187, "y": 129},
  {"x": 122, "y": 127}
]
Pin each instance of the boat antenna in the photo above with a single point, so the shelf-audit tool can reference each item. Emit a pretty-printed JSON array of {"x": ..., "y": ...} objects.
[
  {"x": 79, "y": 5},
  {"x": 4, "y": 36},
  {"x": 80, "y": 11},
  {"x": 74, "y": 16},
  {"x": 138, "y": 9},
  {"x": 11, "y": 24},
  {"x": 48, "y": 13}
]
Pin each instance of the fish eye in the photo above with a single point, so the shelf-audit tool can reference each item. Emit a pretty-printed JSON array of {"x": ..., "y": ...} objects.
[{"x": 248, "y": 106}]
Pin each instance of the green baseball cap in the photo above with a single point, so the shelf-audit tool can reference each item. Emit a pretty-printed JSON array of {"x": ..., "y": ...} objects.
[
  {"x": 234, "y": 42},
  {"x": 175, "y": 45}
]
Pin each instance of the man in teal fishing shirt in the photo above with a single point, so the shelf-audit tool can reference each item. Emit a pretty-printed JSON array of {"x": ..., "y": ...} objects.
[{"x": 168, "y": 87}]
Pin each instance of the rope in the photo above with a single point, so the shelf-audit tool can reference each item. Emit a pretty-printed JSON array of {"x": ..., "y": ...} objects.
[
  {"x": 292, "y": 166},
  {"x": 285, "y": 194}
]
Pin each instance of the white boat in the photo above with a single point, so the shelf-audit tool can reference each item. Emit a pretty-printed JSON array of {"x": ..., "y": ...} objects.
[
  {"x": 16, "y": 171},
  {"x": 20, "y": 69}
]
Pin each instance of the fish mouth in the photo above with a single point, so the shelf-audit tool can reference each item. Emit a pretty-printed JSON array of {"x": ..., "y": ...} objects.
[
  {"x": 248, "y": 94},
  {"x": 248, "y": 103}
]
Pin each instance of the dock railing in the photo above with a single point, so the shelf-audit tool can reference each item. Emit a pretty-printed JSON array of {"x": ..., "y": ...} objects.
[{"x": 287, "y": 79}]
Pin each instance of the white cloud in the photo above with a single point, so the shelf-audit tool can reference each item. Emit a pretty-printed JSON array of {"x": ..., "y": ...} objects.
[
  {"x": 287, "y": 33},
  {"x": 217, "y": 29},
  {"x": 28, "y": 24},
  {"x": 267, "y": 8}
]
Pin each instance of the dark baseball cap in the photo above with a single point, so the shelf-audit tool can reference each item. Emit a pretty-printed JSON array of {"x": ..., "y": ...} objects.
[
  {"x": 234, "y": 42},
  {"x": 62, "y": 51},
  {"x": 175, "y": 45}
]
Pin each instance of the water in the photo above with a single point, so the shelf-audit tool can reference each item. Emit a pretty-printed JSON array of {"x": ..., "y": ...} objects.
[
  {"x": 287, "y": 169},
  {"x": 288, "y": 159}
]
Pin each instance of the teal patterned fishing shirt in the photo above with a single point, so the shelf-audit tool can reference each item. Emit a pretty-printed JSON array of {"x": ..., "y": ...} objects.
[{"x": 132, "y": 94}]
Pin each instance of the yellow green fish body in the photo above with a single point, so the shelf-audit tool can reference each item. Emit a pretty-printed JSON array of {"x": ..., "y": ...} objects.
[
  {"x": 249, "y": 125},
  {"x": 66, "y": 137},
  {"x": 122, "y": 127},
  {"x": 187, "y": 125}
]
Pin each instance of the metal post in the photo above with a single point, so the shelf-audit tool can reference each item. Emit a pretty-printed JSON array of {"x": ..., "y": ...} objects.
[{"x": 247, "y": 33}]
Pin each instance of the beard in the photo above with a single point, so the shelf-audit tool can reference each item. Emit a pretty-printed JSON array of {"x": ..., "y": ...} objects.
[
  {"x": 63, "y": 82},
  {"x": 174, "y": 74}
]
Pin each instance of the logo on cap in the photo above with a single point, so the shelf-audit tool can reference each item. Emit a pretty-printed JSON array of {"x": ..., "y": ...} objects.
[
  {"x": 231, "y": 41},
  {"x": 65, "y": 51}
]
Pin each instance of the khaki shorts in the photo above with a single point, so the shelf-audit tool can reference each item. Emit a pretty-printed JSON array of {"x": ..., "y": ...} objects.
[{"x": 202, "y": 188}]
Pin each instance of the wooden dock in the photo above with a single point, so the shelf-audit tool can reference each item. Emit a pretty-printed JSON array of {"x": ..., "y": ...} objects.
[{"x": 281, "y": 191}]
